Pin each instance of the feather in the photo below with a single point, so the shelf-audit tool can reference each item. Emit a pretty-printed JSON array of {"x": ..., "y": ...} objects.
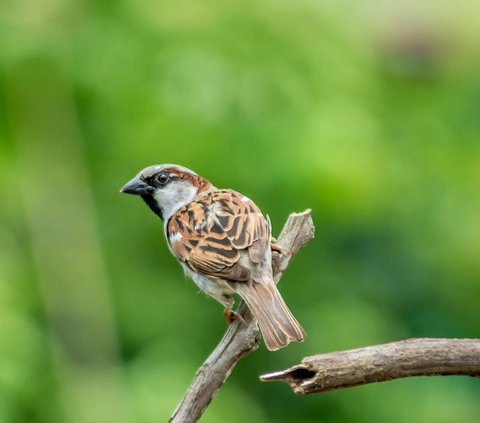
[
  {"x": 214, "y": 229},
  {"x": 276, "y": 322}
]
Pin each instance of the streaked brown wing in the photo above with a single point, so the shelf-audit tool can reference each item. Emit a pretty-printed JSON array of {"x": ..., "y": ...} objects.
[{"x": 209, "y": 234}]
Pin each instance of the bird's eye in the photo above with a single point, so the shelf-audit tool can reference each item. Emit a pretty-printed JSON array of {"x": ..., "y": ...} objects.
[{"x": 162, "y": 178}]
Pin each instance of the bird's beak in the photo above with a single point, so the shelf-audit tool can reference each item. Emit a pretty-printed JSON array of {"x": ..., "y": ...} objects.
[{"x": 137, "y": 187}]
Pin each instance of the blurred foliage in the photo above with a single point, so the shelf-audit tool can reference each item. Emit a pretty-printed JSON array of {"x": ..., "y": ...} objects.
[{"x": 367, "y": 112}]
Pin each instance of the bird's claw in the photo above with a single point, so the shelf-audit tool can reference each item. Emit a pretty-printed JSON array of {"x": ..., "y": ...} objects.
[
  {"x": 231, "y": 316},
  {"x": 278, "y": 249}
]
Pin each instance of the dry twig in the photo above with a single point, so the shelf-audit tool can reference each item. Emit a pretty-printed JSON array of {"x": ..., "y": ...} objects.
[{"x": 378, "y": 363}]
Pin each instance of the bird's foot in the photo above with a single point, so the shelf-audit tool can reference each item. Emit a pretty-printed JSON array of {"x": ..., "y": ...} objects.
[
  {"x": 231, "y": 316},
  {"x": 278, "y": 249}
]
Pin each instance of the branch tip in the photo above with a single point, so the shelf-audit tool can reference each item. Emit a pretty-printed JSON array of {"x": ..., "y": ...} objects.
[{"x": 297, "y": 373}]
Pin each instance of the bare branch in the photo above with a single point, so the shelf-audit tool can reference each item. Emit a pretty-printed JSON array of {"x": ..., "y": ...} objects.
[
  {"x": 412, "y": 357},
  {"x": 240, "y": 339}
]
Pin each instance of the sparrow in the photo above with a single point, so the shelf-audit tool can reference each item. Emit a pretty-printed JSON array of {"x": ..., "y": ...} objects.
[{"x": 223, "y": 242}]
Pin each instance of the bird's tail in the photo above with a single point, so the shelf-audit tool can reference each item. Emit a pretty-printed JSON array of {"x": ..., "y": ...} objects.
[{"x": 275, "y": 320}]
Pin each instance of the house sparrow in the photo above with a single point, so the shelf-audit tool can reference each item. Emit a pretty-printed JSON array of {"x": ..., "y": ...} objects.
[{"x": 223, "y": 242}]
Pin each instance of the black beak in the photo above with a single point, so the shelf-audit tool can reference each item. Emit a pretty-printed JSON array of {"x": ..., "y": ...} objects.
[{"x": 137, "y": 187}]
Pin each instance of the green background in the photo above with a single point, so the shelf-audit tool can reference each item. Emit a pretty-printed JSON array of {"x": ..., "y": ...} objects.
[{"x": 367, "y": 112}]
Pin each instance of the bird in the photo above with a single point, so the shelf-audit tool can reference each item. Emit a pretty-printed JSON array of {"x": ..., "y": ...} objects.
[{"x": 223, "y": 242}]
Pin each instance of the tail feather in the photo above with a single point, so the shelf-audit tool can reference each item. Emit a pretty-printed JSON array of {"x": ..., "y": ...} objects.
[{"x": 276, "y": 322}]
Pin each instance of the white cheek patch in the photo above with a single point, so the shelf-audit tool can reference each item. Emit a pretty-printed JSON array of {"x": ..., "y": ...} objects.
[
  {"x": 175, "y": 237},
  {"x": 174, "y": 196}
]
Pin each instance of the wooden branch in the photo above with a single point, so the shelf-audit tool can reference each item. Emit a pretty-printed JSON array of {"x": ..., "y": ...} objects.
[
  {"x": 412, "y": 357},
  {"x": 240, "y": 339}
]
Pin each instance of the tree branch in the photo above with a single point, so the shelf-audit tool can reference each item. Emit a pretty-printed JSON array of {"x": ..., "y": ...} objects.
[
  {"x": 412, "y": 357},
  {"x": 240, "y": 339}
]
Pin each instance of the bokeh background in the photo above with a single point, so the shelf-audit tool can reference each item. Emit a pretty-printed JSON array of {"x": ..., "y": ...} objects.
[{"x": 368, "y": 112}]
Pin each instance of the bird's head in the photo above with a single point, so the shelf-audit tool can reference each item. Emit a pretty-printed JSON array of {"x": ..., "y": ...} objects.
[{"x": 166, "y": 188}]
